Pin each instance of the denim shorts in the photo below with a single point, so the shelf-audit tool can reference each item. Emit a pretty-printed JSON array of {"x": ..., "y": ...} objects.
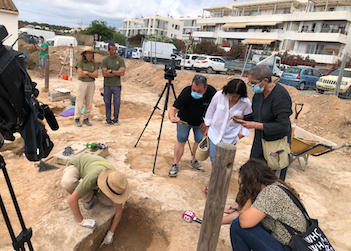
[
  {"x": 183, "y": 133},
  {"x": 42, "y": 62}
]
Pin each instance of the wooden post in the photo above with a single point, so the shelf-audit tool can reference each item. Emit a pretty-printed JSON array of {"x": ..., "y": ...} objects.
[
  {"x": 47, "y": 73},
  {"x": 216, "y": 196}
]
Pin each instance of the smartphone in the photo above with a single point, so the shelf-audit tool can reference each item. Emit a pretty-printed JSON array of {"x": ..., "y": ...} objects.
[
  {"x": 181, "y": 122},
  {"x": 235, "y": 120}
]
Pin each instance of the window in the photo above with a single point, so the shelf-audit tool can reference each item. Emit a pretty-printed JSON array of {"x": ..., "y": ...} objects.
[
  {"x": 308, "y": 72},
  {"x": 311, "y": 48},
  {"x": 316, "y": 73}
]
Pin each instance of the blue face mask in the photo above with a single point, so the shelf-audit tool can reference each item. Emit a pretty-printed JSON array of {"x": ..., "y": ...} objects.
[
  {"x": 196, "y": 95},
  {"x": 256, "y": 88}
]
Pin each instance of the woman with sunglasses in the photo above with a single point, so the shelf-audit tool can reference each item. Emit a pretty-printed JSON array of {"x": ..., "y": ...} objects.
[
  {"x": 271, "y": 109},
  {"x": 231, "y": 100}
]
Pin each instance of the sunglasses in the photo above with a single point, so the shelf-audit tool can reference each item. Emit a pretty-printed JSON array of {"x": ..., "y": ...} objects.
[{"x": 199, "y": 77}]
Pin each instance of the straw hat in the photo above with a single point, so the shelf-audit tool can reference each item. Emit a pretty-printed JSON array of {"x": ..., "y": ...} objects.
[
  {"x": 114, "y": 185},
  {"x": 88, "y": 49},
  {"x": 203, "y": 150}
]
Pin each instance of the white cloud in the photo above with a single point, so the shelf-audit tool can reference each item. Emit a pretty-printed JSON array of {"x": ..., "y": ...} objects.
[{"x": 71, "y": 12}]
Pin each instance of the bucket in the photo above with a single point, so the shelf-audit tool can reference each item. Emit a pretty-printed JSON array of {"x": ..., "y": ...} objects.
[{"x": 65, "y": 77}]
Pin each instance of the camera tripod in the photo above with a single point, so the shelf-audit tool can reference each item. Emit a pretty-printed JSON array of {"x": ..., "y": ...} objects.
[
  {"x": 26, "y": 234},
  {"x": 168, "y": 85}
]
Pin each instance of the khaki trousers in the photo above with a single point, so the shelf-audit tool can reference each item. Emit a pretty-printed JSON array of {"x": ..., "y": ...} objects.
[
  {"x": 70, "y": 181},
  {"x": 85, "y": 94}
]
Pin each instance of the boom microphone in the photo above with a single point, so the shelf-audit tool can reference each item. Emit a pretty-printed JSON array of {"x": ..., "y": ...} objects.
[
  {"x": 189, "y": 217},
  {"x": 50, "y": 117}
]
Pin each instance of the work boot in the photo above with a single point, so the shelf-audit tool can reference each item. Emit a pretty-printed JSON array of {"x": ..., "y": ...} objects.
[
  {"x": 77, "y": 123},
  {"x": 174, "y": 170},
  {"x": 86, "y": 122},
  {"x": 195, "y": 164}
]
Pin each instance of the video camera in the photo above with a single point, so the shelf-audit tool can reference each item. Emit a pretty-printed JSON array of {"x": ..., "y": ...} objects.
[
  {"x": 170, "y": 72},
  {"x": 20, "y": 111}
]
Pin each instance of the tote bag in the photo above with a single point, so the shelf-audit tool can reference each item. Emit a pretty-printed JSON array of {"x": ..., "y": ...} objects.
[{"x": 313, "y": 238}]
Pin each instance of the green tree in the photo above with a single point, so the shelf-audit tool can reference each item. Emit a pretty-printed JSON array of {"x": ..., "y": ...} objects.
[
  {"x": 237, "y": 51},
  {"x": 119, "y": 38},
  {"x": 100, "y": 28},
  {"x": 208, "y": 48}
]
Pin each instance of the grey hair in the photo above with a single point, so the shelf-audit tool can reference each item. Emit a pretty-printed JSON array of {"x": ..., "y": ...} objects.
[{"x": 261, "y": 72}]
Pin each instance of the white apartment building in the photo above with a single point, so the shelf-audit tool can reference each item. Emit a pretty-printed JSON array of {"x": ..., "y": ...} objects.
[
  {"x": 320, "y": 29},
  {"x": 165, "y": 26},
  {"x": 189, "y": 27}
]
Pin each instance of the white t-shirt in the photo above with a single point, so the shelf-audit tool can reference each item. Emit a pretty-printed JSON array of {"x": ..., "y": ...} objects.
[{"x": 217, "y": 117}]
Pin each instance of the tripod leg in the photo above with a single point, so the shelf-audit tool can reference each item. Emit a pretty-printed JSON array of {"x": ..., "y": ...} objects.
[
  {"x": 155, "y": 107},
  {"x": 26, "y": 234},
  {"x": 175, "y": 97},
  {"x": 163, "y": 115}
]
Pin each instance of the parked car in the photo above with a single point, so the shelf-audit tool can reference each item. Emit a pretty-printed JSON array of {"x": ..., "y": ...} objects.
[
  {"x": 282, "y": 68},
  {"x": 210, "y": 64},
  {"x": 324, "y": 72},
  {"x": 300, "y": 77},
  {"x": 121, "y": 51},
  {"x": 328, "y": 83},
  {"x": 136, "y": 52},
  {"x": 228, "y": 58},
  {"x": 129, "y": 53},
  {"x": 188, "y": 61}
]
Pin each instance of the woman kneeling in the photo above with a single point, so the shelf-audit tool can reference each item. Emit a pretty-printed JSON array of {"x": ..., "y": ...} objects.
[{"x": 263, "y": 206}]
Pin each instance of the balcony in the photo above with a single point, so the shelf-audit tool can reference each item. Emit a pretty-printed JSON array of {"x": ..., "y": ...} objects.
[
  {"x": 319, "y": 36},
  {"x": 205, "y": 34},
  {"x": 319, "y": 58},
  {"x": 252, "y": 34}
]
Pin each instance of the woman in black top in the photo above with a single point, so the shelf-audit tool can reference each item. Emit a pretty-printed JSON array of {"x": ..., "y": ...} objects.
[{"x": 275, "y": 105}]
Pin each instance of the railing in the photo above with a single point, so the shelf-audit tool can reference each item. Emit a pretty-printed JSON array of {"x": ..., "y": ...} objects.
[{"x": 326, "y": 30}]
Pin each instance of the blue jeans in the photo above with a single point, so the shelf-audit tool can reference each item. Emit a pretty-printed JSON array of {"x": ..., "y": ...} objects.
[
  {"x": 116, "y": 92},
  {"x": 256, "y": 238},
  {"x": 183, "y": 133},
  {"x": 212, "y": 150}
]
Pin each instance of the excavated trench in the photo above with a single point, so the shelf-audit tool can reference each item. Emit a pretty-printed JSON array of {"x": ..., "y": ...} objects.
[{"x": 135, "y": 232}]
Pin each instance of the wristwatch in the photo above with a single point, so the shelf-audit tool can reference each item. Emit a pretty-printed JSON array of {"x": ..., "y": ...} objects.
[{"x": 111, "y": 71}]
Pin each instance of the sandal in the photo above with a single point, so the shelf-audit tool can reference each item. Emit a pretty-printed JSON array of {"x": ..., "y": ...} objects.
[{"x": 230, "y": 210}]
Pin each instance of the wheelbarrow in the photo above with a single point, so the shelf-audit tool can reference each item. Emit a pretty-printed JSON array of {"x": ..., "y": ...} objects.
[{"x": 304, "y": 144}]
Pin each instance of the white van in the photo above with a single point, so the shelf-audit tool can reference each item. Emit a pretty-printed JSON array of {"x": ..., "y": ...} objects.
[
  {"x": 136, "y": 52},
  {"x": 62, "y": 40},
  {"x": 159, "y": 51},
  {"x": 45, "y": 34}
]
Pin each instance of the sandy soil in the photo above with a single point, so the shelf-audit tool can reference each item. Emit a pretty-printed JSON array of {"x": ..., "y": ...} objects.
[{"x": 152, "y": 216}]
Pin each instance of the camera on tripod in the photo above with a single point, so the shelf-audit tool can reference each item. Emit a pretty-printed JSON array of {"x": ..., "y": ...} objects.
[
  {"x": 19, "y": 107},
  {"x": 170, "y": 72}
]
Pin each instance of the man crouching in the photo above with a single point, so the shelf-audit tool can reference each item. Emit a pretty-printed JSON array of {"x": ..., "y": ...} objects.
[{"x": 87, "y": 176}]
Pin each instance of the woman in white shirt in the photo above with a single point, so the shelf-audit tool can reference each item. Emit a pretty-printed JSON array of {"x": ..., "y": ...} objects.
[{"x": 231, "y": 100}]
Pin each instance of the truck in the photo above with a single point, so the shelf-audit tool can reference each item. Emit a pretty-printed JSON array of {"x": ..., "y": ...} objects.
[
  {"x": 62, "y": 40},
  {"x": 272, "y": 61},
  {"x": 35, "y": 32},
  {"x": 158, "y": 51}
]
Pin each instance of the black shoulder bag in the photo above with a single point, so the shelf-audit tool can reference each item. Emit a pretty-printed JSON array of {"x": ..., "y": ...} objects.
[{"x": 313, "y": 238}]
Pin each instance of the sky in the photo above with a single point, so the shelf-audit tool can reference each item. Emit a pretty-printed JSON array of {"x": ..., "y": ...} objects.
[{"x": 74, "y": 13}]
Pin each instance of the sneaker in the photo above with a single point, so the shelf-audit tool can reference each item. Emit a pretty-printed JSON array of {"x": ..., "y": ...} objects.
[
  {"x": 195, "y": 164},
  {"x": 108, "y": 123},
  {"x": 174, "y": 170},
  {"x": 86, "y": 122},
  {"x": 116, "y": 123},
  {"x": 77, "y": 123}
]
